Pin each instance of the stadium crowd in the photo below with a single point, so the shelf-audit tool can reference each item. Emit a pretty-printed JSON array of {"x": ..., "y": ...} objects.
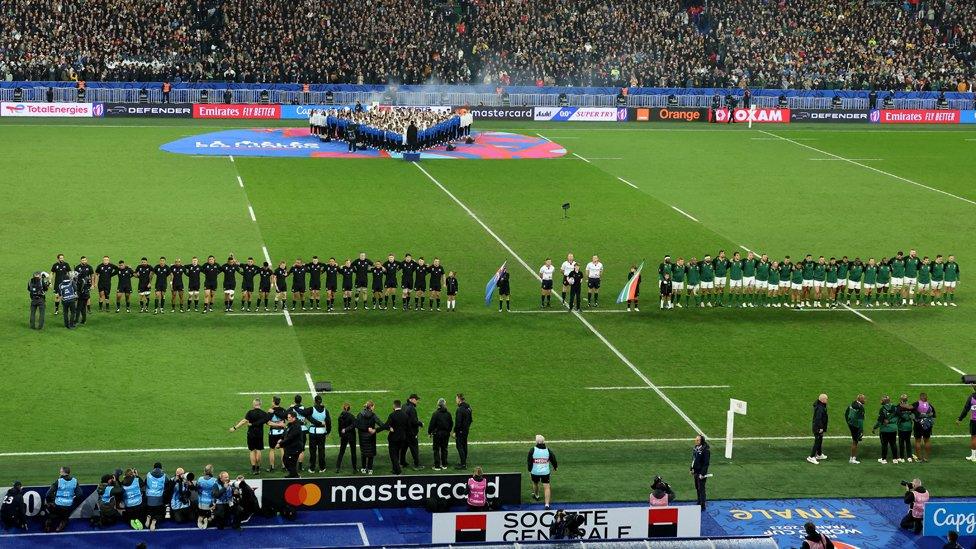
[{"x": 810, "y": 44}]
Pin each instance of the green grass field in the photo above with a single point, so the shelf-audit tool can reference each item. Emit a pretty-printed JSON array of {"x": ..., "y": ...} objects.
[{"x": 107, "y": 394}]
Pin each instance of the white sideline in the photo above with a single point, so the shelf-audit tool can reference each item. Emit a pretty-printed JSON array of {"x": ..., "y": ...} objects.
[
  {"x": 865, "y": 166},
  {"x": 628, "y": 182},
  {"x": 684, "y": 213},
  {"x": 574, "y": 154},
  {"x": 250, "y": 210},
  {"x": 349, "y": 391},
  {"x": 660, "y": 387},
  {"x": 687, "y": 440},
  {"x": 585, "y": 322}
]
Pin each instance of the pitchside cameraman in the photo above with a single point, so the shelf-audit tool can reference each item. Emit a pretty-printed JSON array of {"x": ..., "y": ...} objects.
[
  {"x": 36, "y": 287},
  {"x": 916, "y": 496}
]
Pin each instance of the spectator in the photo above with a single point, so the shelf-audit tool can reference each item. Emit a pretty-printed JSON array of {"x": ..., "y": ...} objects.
[{"x": 477, "y": 487}]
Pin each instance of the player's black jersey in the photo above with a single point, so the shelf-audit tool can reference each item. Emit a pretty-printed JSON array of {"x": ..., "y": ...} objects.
[
  {"x": 144, "y": 272},
  {"x": 331, "y": 275},
  {"x": 361, "y": 267},
  {"x": 392, "y": 267},
  {"x": 297, "y": 273},
  {"x": 407, "y": 268},
  {"x": 248, "y": 272},
  {"x": 193, "y": 274},
  {"x": 315, "y": 271},
  {"x": 377, "y": 275},
  {"x": 105, "y": 274},
  {"x": 177, "y": 271},
  {"x": 281, "y": 278},
  {"x": 230, "y": 271},
  {"x": 161, "y": 272},
  {"x": 84, "y": 270},
  {"x": 420, "y": 276},
  {"x": 347, "y": 273},
  {"x": 436, "y": 273},
  {"x": 210, "y": 272},
  {"x": 125, "y": 275},
  {"x": 60, "y": 271},
  {"x": 265, "y": 277}
]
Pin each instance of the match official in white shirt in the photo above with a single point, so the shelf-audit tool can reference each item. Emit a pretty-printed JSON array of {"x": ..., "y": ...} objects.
[
  {"x": 545, "y": 273},
  {"x": 594, "y": 270}
]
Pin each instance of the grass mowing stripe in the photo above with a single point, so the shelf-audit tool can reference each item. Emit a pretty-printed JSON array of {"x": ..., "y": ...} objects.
[
  {"x": 872, "y": 168},
  {"x": 585, "y": 322}
]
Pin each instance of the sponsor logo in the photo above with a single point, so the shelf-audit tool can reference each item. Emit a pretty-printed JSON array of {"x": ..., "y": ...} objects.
[
  {"x": 942, "y": 516},
  {"x": 677, "y": 114},
  {"x": 74, "y": 110},
  {"x": 98, "y": 109},
  {"x": 391, "y": 491},
  {"x": 806, "y": 115},
  {"x": 297, "y": 112},
  {"x": 614, "y": 523},
  {"x": 756, "y": 116},
  {"x": 621, "y": 114},
  {"x": 146, "y": 110},
  {"x": 918, "y": 116},
  {"x": 643, "y": 115},
  {"x": 497, "y": 113},
  {"x": 581, "y": 114},
  {"x": 236, "y": 111}
]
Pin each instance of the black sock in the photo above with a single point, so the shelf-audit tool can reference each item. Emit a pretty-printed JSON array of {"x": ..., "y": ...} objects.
[
  {"x": 564, "y": 296},
  {"x": 438, "y": 303},
  {"x": 508, "y": 305}
]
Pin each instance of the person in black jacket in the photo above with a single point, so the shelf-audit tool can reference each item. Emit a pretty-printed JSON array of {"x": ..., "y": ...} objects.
[
  {"x": 440, "y": 427},
  {"x": 819, "y": 429},
  {"x": 701, "y": 456},
  {"x": 13, "y": 509},
  {"x": 347, "y": 436},
  {"x": 462, "y": 426},
  {"x": 292, "y": 442},
  {"x": 575, "y": 282},
  {"x": 368, "y": 424},
  {"x": 412, "y": 443},
  {"x": 412, "y": 136},
  {"x": 36, "y": 287},
  {"x": 398, "y": 423}
]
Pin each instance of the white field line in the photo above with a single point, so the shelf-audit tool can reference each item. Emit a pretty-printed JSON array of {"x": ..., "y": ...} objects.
[
  {"x": 581, "y": 158},
  {"x": 627, "y": 182},
  {"x": 288, "y": 318},
  {"x": 865, "y": 166},
  {"x": 585, "y": 322},
  {"x": 362, "y": 532},
  {"x": 852, "y": 309},
  {"x": 744, "y": 248},
  {"x": 240, "y": 182},
  {"x": 844, "y": 159},
  {"x": 296, "y": 313},
  {"x": 660, "y": 387},
  {"x": 266, "y": 256},
  {"x": 855, "y": 311},
  {"x": 346, "y": 392},
  {"x": 250, "y": 210},
  {"x": 775, "y": 137},
  {"x": 544, "y": 137},
  {"x": 960, "y": 384},
  {"x": 957, "y": 370},
  {"x": 231, "y": 159},
  {"x": 311, "y": 384},
  {"x": 605, "y": 158},
  {"x": 581, "y": 442},
  {"x": 562, "y": 310},
  {"x": 684, "y": 213}
]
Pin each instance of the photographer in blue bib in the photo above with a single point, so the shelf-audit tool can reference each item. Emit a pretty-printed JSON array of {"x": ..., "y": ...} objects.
[
  {"x": 60, "y": 500},
  {"x": 541, "y": 463}
]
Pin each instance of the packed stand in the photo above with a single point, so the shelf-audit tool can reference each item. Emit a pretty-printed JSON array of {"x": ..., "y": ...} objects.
[{"x": 801, "y": 44}]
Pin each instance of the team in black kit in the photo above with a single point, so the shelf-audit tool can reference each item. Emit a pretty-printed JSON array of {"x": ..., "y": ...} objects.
[{"x": 419, "y": 284}]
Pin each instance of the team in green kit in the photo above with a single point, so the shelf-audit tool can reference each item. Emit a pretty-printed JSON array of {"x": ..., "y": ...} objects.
[{"x": 756, "y": 281}]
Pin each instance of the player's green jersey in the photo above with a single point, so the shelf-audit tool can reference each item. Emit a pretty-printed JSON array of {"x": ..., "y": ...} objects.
[
  {"x": 898, "y": 268},
  {"x": 694, "y": 275},
  {"x": 884, "y": 274},
  {"x": 870, "y": 274},
  {"x": 774, "y": 277},
  {"x": 820, "y": 271},
  {"x": 808, "y": 270},
  {"x": 721, "y": 266},
  {"x": 707, "y": 272},
  {"x": 735, "y": 270},
  {"x": 938, "y": 272},
  {"x": 951, "y": 271},
  {"x": 785, "y": 270},
  {"x": 831, "y": 273},
  {"x": 911, "y": 266},
  {"x": 678, "y": 273},
  {"x": 762, "y": 270},
  {"x": 665, "y": 268},
  {"x": 924, "y": 274},
  {"x": 842, "y": 269},
  {"x": 856, "y": 272},
  {"x": 797, "y": 274},
  {"x": 749, "y": 267}
]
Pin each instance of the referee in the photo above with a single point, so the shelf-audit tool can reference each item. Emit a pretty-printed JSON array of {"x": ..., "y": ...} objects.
[{"x": 255, "y": 418}]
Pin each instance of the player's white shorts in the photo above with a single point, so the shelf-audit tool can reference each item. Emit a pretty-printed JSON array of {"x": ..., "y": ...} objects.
[
  {"x": 808, "y": 283},
  {"x": 784, "y": 283},
  {"x": 841, "y": 282},
  {"x": 818, "y": 283},
  {"x": 720, "y": 281},
  {"x": 897, "y": 281},
  {"x": 947, "y": 284},
  {"x": 854, "y": 284},
  {"x": 832, "y": 285},
  {"x": 762, "y": 284},
  {"x": 145, "y": 293},
  {"x": 882, "y": 287},
  {"x": 868, "y": 286},
  {"x": 910, "y": 281},
  {"x": 748, "y": 281},
  {"x": 735, "y": 283},
  {"x": 937, "y": 284},
  {"x": 796, "y": 285},
  {"x": 229, "y": 292},
  {"x": 693, "y": 287},
  {"x": 924, "y": 286},
  {"x": 707, "y": 285},
  {"x": 678, "y": 286}
]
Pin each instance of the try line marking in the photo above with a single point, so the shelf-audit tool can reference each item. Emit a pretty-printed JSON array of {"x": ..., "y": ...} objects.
[
  {"x": 564, "y": 311},
  {"x": 684, "y": 213},
  {"x": 660, "y": 387},
  {"x": 349, "y": 392},
  {"x": 331, "y": 443},
  {"x": 585, "y": 322},
  {"x": 865, "y": 166}
]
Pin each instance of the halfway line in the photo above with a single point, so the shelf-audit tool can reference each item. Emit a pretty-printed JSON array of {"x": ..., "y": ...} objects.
[
  {"x": 865, "y": 166},
  {"x": 585, "y": 322}
]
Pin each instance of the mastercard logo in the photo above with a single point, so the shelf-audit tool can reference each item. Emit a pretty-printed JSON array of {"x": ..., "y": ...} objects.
[{"x": 303, "y": 494}]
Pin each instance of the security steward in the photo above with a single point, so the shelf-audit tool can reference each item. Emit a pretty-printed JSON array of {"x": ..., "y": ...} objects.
[
  {"x": 347, "y": 436},
  {"x": 412, "y": 444},
  {"x": 13, "y": 509},
  {"x": 399, "y": 425},
  {"x": 321, "y": 426},
  {"x": 292, "y": 444},
  {"x": 541, "y": 463},
  {"x": 61, "y": 498},
  {"x": 36, "y": 287}
]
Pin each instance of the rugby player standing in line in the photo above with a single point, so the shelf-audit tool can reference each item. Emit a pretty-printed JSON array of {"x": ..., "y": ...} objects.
[
  {"x": 436, "y": 283},
  {"x": 230, "y": 270},
  {"x": 264, "y": 284},
  {"x": 176, "y": 272},
  {"x": 85, "y": 272},
  {"x": 315, "y": 270},
  {"x": 193, "y": 284},
  {"x": 420, "y": 284},
  {"x": 60, "y": 270},
  {"x": 144, "y": 274},
  {"x": 361, "y": 268},
  {"x": 407, "y": 269},
  {"x": 279, "y": 279},
  {"x": 297, "y": 272},
  {"x": 391, "y": 267},
  {"x": 124, "y": 274},
  {"x": 347, "y": 273},
  {"x": 210, "y": 270},
  {"x": 248, "y": 271},
  {"x": 103, "y": 281},
  {"x": 161, "y": 271},
  {"x": 331, "y": 278}
]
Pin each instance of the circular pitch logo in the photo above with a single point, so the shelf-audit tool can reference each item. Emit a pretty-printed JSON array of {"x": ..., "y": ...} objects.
[{"x": 303, "y": 494}]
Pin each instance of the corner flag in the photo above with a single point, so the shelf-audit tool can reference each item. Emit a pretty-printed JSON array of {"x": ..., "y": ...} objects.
[
  {"x": 493, "y": 282},
  {"x": 630, "y": 289}
]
